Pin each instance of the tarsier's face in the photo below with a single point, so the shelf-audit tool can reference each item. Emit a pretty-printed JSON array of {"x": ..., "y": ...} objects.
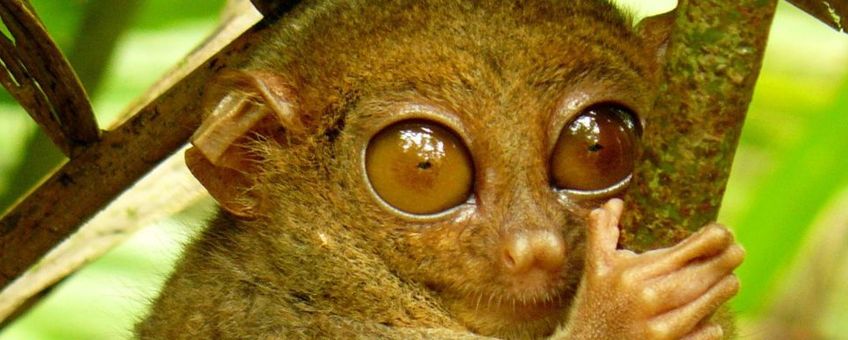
[
  {"x": 473, "y": 148},
  {"x": 494, "y": 219}
]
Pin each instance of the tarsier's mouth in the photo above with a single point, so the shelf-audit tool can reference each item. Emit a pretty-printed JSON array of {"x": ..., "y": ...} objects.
[
  {"x": 510, "y": 314},
  {"x": 531, "y": 306},
  {"x": 519, "y": 303},
  {"x": 522, "y": 309}
]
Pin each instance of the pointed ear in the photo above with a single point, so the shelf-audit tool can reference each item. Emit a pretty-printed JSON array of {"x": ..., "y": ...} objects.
[
  {"x": 245, "y": 104},
  {"x": 656, "y": 32}
]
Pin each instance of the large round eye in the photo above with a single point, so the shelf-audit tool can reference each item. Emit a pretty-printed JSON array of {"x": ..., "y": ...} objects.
[
  {"x": 596, "y": 150},
  {"x": 419, "y": 167}
]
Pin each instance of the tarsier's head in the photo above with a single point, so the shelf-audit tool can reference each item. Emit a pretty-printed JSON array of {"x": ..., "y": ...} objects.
[{"x": 463, "y": 141}]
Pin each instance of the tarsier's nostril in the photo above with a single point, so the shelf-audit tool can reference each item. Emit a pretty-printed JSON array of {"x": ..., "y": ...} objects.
[
  {"x": 533, "y": 249},
  {"x": 517, "y": 256}
]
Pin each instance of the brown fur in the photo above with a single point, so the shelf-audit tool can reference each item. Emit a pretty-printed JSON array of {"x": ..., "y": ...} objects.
[{"x": 323, "y": 259}]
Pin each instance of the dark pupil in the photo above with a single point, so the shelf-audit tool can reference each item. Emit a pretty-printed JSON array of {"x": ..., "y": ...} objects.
[
  {"x": 424, "y": 165},
  {"x": 595, "y": 147}
]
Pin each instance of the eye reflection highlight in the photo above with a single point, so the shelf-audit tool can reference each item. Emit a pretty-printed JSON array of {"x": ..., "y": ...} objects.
[
  {"x": 424, "y": 144},
  {"x": 588, "y": 127}
]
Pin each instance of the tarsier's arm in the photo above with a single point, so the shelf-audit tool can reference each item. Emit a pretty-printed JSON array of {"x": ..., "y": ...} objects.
[{"x": 666, "y": 293}]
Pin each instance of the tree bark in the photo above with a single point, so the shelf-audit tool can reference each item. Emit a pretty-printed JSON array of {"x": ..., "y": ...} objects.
[
  {"x": 140, "y": 205},
  {"x": 89, "y": 181},
  {"x": 93, "y": 46},
  {"x": 37, "y": 74},
  {"x": 712, "y": 64}
]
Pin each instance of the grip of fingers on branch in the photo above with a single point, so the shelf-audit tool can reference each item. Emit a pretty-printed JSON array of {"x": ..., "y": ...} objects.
[{"x": 38, "y": 76}]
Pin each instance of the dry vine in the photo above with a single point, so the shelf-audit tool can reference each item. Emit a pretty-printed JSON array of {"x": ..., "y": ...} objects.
[
  {"x": 100, "y": 171},
  {"x": 141, "y": 204},
  {"x": 39, "y": 77}
]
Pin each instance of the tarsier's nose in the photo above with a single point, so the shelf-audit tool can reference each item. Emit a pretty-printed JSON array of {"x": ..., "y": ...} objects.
[{"x": 534, "y": 249}]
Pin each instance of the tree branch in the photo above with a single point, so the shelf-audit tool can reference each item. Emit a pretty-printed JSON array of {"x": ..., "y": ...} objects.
[
  {"x": 106, "y": 168},
  {"x": 108, "y": 228},
  {"x": 141, "y": 204},
  {"x": 834, "y": 13},
  {"x": 37, "y": 74},
  {"x": 713, "y": 61},
  {"x": 98, "y": 33}
]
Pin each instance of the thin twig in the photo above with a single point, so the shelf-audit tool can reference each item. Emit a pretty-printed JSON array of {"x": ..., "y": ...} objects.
[
  {"x": 141, "y": 204},
  {"x": 106, "y": 168},
  {"x": 46, "y": 84},
  {"x": 834, "y": 13}
]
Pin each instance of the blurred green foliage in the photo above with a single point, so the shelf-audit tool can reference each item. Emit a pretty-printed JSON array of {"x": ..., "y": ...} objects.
[{"x": 791, "y": 162}]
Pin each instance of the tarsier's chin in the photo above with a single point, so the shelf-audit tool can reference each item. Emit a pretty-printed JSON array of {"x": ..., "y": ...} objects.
[{"x": 413, "y": 169}]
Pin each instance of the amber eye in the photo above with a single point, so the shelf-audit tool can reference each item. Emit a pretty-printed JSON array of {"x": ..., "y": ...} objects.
[
  {"x": 596, "y": 150},
  {"x": 419, "y": 167}
]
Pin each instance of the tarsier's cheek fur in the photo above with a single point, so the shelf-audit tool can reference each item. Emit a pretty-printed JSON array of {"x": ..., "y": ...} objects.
[{"x": 325, "y": 257}]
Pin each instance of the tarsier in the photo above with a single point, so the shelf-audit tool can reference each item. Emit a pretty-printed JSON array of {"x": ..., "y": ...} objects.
[{"x": 437, "y": 169}]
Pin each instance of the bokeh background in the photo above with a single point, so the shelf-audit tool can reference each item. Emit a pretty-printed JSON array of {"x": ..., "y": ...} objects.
[{"x": 787, "y": 198}]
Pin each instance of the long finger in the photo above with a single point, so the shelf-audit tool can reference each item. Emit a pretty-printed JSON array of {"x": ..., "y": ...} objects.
[
  {"x": 602, "y": 234},
  {"x": 694, "y": 280},
  {"x": 683, "y": 320},
  {"x": 709, "y": 241}
]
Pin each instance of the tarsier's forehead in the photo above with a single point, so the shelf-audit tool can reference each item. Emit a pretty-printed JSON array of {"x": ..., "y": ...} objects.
[
  {"x": 458, "y": 53},
  {"x": 386, "y": 37}
]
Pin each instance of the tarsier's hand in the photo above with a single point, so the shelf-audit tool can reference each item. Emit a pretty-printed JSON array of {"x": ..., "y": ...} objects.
[{"x": 667, "y": 293}]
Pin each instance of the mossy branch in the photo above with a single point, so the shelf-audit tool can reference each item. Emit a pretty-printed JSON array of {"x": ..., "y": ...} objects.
[{"x": 712, "y": 64}]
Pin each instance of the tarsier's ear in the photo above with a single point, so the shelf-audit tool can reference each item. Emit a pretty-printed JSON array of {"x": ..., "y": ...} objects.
[
  {"x": 656, "y": 32},
  {"x": 244, "y": 104}
]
